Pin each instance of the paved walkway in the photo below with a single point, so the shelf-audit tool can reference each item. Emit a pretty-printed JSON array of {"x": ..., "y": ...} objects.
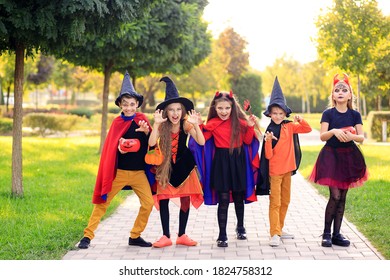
[{"x": 304, "y": 219}]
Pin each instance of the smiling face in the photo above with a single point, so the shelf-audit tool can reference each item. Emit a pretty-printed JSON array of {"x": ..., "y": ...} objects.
[
  {"x": 129, "y": 105},
  {"x": 224, "y": 109},
  {"x": 277, "y": 114},
  {"x": 174, "y": 112}
]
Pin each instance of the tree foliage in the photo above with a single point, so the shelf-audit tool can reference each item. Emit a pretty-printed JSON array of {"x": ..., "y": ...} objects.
[
  {"x": 248, "y": 87},
  {"x": 348, "y": 33},
  {"x": 49, "y": 26},
  {"x": 233, "y": 54},
  {"x": 171, "y": 37}
]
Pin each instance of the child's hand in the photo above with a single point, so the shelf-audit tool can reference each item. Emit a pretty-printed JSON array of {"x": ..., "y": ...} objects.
[
  {"x": 143, "y": 127},
  {"x": 269, "y": 136},
  {"x": 194, "y": 117},
  {"x": 158, "y": 118},
  {"x": 297, "y": 118},
  {"x": 119, "y": 146},
  {"x": 341, "y": 135},
  {"x": 251, "y": 120}
]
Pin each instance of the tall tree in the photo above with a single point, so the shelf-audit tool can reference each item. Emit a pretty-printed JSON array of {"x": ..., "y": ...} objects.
[
  {"x": 27, "y": 25},
  {"x": 171, "y": 37},
  {"x": 377, "y": 83},
  {"x": 348, "y": 34},
  {"x": 233, "y": 52}
]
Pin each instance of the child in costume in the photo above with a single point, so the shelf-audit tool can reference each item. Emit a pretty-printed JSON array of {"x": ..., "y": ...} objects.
[
  {"x": 122, "y": 166},
  {"x": 177, "y": 176},
  {"x": 280, "y": 158},
  {"x": 340, "y": 164},
  {"x": 230, "y": 161}
]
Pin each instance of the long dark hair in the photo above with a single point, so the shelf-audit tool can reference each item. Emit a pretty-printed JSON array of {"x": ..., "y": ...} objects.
[
  {"x": 163, "y": 171},
  {"x": 236, "y": 115}
]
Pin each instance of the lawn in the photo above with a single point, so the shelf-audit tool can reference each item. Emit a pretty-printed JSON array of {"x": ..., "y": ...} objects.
[
  {"x": 367, "y": 207},
  {"x": 58, "y": 180}
]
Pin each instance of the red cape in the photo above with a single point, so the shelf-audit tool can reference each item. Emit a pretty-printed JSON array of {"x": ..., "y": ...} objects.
[{"x": 108, "y": 160}]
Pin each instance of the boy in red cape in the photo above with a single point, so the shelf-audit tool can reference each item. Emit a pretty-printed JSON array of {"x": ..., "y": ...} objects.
[{"x": 119, "y": 169}]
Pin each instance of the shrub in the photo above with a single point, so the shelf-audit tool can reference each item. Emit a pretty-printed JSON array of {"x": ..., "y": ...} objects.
[
  {"x": 374, "y": 120},
  {"x": 5, "y": 125},
  {"x": 81, "y": 112},
  {"x": 50, "y": 123}
]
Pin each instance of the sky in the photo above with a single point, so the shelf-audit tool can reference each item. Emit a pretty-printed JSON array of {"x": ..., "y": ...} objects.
[{"x": 272, "y": 28}]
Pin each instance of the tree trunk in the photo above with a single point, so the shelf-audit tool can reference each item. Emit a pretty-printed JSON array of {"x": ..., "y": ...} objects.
[
  {"x": 364, "y": 106},
  {"x": 358, "y": 95},
  {"x": 107, "y": 75},
  {"x": 17, "y": 174},
  {"x": 8, "y": 94}
]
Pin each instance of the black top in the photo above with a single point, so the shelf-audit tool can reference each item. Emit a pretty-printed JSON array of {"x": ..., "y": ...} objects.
[
  {"x": 134, "y": 160},
  {"x": 185, "y": 161},
  {"x": 340, "y": 120}
]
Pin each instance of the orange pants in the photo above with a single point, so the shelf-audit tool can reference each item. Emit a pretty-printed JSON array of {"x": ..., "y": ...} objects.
[
  {"x": 279, "y": 199},
  {"x": 140, "y": 185}
]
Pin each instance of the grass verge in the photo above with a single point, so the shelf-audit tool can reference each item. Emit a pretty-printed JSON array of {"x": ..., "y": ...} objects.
[
  {"x": 367, "y": 207},
  {"x": 58, "y": 180}
]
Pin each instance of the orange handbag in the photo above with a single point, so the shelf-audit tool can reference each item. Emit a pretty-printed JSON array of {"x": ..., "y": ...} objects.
[{"x": 155, "y": 156}]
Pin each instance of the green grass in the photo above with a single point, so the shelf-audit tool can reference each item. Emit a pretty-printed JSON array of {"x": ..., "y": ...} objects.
[
  {"x": 58, "y": 180},
  {"x": 313, "y": 120},
  {"x": 367, "y": 207}
]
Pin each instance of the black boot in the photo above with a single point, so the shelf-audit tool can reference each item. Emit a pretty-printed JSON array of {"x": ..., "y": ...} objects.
[
  {"x": 326, "y": 240},
  {"x": 340, "y": 240},
  {"x": 240, "y": 233}
]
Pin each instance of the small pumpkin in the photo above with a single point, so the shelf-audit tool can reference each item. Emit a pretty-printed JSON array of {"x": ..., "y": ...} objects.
[
  {"x": 349, "y": 128},
  {"x": 129, "y": 145},
  {"x": 155, "y": 156}
]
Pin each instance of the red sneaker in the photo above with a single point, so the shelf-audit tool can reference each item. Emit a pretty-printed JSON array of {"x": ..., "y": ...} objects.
[
  {"x": 185, "y": 240},
  {"x": 164, "y": 241}
]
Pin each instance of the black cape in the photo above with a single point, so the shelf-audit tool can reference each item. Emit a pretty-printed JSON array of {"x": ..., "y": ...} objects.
[{"x": 263, "y": 184}]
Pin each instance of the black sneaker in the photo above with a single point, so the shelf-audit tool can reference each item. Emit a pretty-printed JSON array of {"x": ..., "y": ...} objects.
[
  {"x": 340, "y": 240},
  {"x": 139, "y": 241},
  {"x": 326, "y": 240},
  {"x": 84, "y": 243},
  {"x": 240, "y": 233}
]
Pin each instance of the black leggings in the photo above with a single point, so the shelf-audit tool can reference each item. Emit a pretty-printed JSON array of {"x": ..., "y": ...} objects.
[
  {"x": 183, "y": 215},
  {"x": 222, "y": 213},
  {"x": 334, "y": 211}
]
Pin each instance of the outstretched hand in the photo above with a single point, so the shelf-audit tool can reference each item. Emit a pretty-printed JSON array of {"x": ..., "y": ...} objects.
[
  {"x": 269, "y": 136},
  {"x": 194, "y": 117},
  {"x": 158, "y": 118},
  {"x": 143, "y": 127}
]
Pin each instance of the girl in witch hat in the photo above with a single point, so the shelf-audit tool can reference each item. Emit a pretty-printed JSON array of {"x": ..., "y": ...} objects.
[
  {"x": 280, "y": 158},
  {"x": 340, "y": 164},
  {"x": 122, "y": 166},
  {"x": 177, "y": 177}
]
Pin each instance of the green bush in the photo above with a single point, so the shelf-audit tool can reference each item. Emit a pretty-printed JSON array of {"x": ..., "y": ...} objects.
[
  {"x": 51, "y": 123},
  {"x": 5, "y": 125},
  {"x": 81, "y": 112},
  {"x": 374, "y": 121}
]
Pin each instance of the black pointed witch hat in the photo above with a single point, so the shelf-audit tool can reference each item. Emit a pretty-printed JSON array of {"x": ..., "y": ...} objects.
[
  {"x": 277, "y": 98},
  {"x": 128, "y": 90},
  {"x": 172, "y": 96}
]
